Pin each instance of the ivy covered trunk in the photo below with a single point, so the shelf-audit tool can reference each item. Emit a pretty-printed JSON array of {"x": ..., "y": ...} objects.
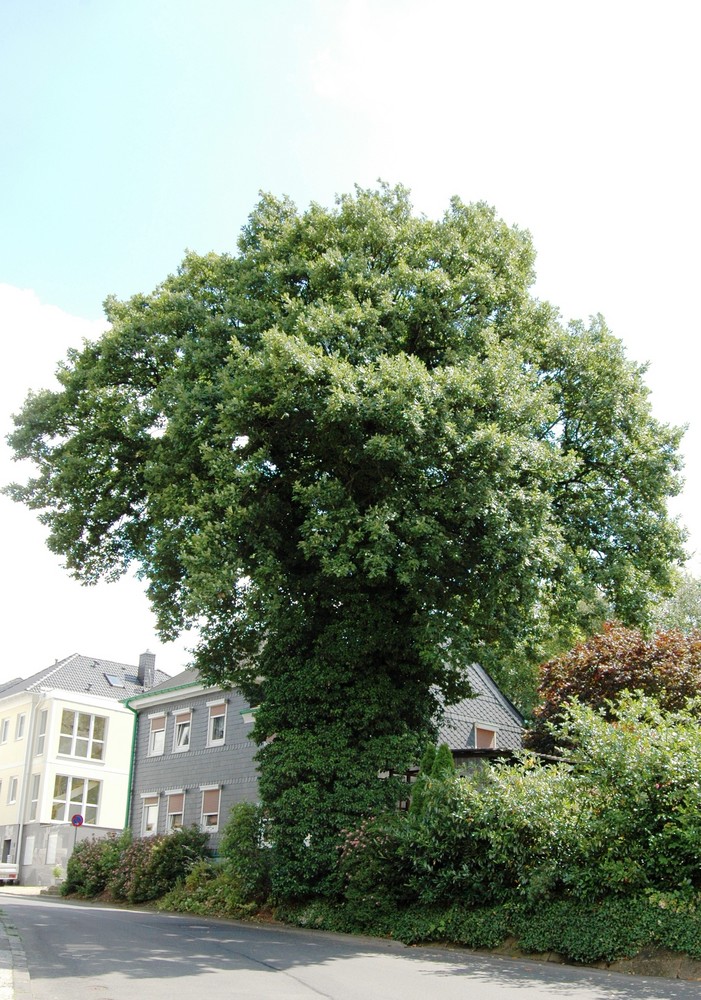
[{"x": 345, "y": 715}]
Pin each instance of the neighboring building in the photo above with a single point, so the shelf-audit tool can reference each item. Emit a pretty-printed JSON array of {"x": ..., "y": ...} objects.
[
  {"x": 484, "y": 725},
  {"x": 193, "y": 759},
  {"x": 65, "y": 750},
  {"x": 194, "y": 753}
]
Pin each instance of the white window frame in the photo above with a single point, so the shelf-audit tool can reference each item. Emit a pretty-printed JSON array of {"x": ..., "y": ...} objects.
[
  {"x": 217, "y": 710},
  {"x": 156, "y": 742},
  {"x": 34, "y": 797},
  {"x": 91, "y": 742},
  {"x": 204, "y": 825},
  {"x": 149, "y": 819},
  {"x": 4, "y": 730},
  {"x": 182, "y": 722},
  {"x": 19, "y": 726},
  {"x": 41, "y": 732},
  {"x": 70, "y": 805},
  {"x": 12, "y": 790}
]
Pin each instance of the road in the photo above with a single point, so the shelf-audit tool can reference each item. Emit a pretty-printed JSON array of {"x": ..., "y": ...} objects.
[{"x": 92, "y": 951}]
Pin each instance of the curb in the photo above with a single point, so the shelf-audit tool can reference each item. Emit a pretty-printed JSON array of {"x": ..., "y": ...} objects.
[{"x": 15, "y": 983}]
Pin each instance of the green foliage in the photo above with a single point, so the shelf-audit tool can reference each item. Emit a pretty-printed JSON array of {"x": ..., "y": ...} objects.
[
  {"x": 355, "y": 445},
  {"x": 682, "y": 609},
  {"x": 443, "y": 765},
  {"x": 243, "y": 847},
  {"x": 150, "y": 866},
  {"x": 210, "y": 890},
  {"x": 611, "y": 929},
  {"x": 418, "y": 786},
  {"x": 372, "y": 873},
  {"x": 596, "y": 672},
  {"x": 90, "y": 865}
]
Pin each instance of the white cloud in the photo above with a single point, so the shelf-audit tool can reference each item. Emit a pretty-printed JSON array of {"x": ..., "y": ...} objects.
[{"x": 46, "y": 614}]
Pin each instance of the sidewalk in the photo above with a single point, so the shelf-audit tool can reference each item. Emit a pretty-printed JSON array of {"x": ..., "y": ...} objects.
[{"x": 15, "y": 983}]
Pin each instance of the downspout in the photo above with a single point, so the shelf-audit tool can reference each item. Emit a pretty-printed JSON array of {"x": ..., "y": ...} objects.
[
  {"x": 132, "y": 761},
  {"x": 26, "y": 779}
]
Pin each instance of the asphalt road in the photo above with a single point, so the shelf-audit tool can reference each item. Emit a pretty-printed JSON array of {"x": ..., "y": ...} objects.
[{"x": 91, "y": 951}]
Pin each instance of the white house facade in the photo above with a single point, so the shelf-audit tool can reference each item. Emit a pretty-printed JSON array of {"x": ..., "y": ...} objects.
[{"x": 66, "y": 744}]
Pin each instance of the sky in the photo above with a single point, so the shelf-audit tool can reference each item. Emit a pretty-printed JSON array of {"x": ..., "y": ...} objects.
[{"x": 135, "y": 130}]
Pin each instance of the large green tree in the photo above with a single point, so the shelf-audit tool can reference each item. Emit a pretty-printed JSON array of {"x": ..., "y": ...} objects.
[{"x": 356, "y": 454}]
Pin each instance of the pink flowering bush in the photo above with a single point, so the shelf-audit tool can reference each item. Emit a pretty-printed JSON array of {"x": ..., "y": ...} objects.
[
  {"x": 91, "y": 864},
  {"x": 150, "y": 866}
]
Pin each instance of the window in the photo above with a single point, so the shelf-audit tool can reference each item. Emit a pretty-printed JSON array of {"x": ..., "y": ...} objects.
[
  {"x": 75, "y": 796},
  {"x": 19, "y": 726},
  {"x": 4, "y": 730},
  {"x": 114, "y": 680},
  {"x": 34, "y": 797},
  {"x": 485, "y": 739},
  {"x": 12, "y": 790},
  {"x": 157, "y": 735},
  {"x": 149, "y": 817},
  {"x": 210, "y": 809},
  {"x": 82, "y": 735},
  {"x": 174, "y": 819},
  {"x": 41, "y": 732},
  {"x": 217, "y": 724},
  {"x": 181, "y": 735}
]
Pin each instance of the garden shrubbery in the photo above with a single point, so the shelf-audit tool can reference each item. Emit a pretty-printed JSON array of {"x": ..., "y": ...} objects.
[
  {"x": 133, "y": 871},
  {"x": 177, "y": 869},
  {"x": 594, "y": 856},
  {"x": 91, "y": 865}
]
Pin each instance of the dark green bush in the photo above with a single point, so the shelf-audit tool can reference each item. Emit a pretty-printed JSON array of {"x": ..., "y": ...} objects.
[
  {"x": 209, "y": 890},
  {"x": 92, "y": 863},
  {"x": 243, "y": 848},
  {"x": 151, "y": 866}
]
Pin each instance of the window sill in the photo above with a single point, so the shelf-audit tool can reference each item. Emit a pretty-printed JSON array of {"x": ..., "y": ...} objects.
[{"x": 79, "y": 760}]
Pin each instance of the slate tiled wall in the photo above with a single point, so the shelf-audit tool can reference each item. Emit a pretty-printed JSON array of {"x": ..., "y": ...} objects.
[{"x": 229, "y": 765}]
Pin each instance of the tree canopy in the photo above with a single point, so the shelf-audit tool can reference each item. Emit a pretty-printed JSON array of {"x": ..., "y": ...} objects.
[
  {"x": 357, "y": 454},
  {"x": 682, "y": 608}
]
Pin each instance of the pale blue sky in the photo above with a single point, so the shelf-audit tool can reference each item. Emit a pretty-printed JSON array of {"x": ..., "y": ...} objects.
[{"x": 132, "y": 131}]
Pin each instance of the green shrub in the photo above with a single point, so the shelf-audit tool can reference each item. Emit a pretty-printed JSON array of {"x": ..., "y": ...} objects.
[
  {"x": 373, "y": 872},
  {"x": 478, "y": 927},
  {"x": 92, "y": 863},
  {"x": 151, "y": 866},
  {"x": 243, "y": 848},
  {"x": 209, "y": 890}
]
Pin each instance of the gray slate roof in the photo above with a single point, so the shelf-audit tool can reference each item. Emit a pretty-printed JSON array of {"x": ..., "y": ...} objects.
[
  {"x": 489, "y": 707},
  {"x": 84, "y": 673}
]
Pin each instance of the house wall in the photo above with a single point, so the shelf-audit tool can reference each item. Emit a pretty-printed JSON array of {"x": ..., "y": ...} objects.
[
  {"x": 15, "y": 725},
  {"x": 46, "y": 848},
  {"x": 229, "y": 766},
  {"x": 30, "y": 832},
  {"x": 112, "y": 771}
]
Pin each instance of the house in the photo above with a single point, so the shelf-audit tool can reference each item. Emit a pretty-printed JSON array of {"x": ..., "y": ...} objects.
[
  {"x": 193, "y": 757},
  {"x": 483, "y": 726},
  {"x": 65, "y": 758}
]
